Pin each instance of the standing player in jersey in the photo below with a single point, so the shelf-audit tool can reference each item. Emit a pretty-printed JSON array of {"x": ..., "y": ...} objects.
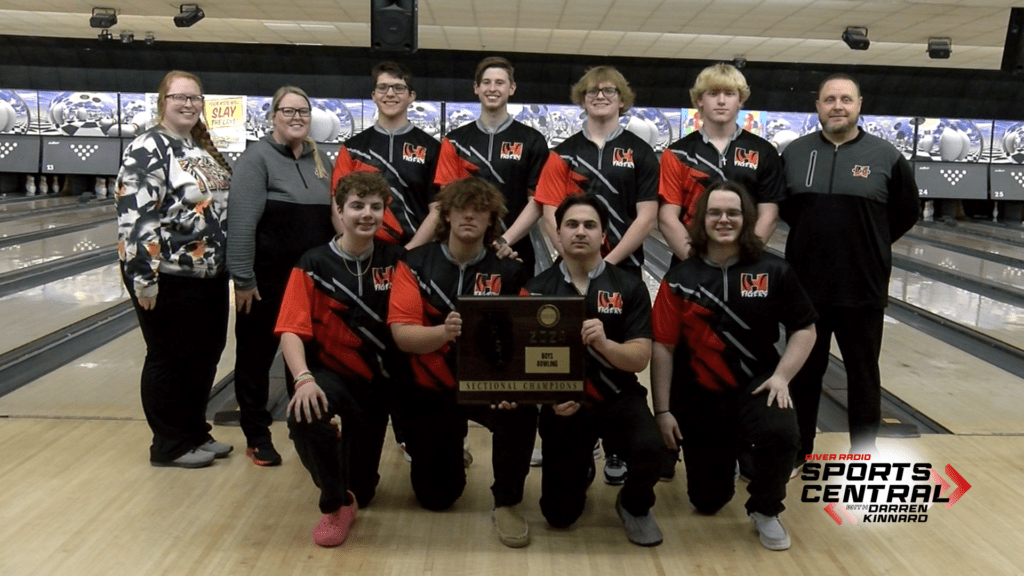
[
  {"x": 500, "y": 150},
  {"x": 425, "y": 324},
  {"x": 404, "y": 154},
  {"x": 617, "y": 334},
  {"x": 604, "y": 159},
  {"x": 716, "y": 374},
  {"x": 720, "y": 150},
  {"x": 340, "y": 352}
]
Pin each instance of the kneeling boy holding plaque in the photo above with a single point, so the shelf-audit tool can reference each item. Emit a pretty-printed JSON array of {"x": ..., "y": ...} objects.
[
  {"x": 425, "y": 324},
  {"x": 617, "y": 334}
]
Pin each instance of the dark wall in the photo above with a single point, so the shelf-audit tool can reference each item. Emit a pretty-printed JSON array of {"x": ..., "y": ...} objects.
[{"x": 72, "y": 64}]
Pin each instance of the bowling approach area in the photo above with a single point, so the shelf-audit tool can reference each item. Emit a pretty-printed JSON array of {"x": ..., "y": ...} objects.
[{"x": 79, "y": 496}]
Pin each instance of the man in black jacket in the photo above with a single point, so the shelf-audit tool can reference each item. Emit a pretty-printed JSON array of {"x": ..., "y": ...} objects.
[{"x": 850, "y": 196}]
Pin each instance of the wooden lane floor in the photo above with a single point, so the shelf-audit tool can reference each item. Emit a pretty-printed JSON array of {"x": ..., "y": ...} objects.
[
  {"x": 1011, "y": 277},
  {"x": 20, "y": 205},
  {"x": 948, "y": 385},
  {"x": 41, "y": 222},
  {"x": 101, "y": 384},
  {"x": 34, "y": 252},
  {"x": 31, "y": 314},
  {"x": 80, "y": 498},
  {"x": 1007, "y": 248},
  {"x": 1000, "y": 320}
]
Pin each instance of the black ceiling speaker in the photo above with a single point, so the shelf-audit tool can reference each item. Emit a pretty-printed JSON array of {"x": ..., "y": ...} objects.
[
  {"x": 103, "y": 18},
  {"x": 1013, "y": 52},
  {"x": 393, "y": 25},
  {"x": 189, "y": 15},
  {"x": 856, "y": 37},
  {"x": 940, "y": 47}
]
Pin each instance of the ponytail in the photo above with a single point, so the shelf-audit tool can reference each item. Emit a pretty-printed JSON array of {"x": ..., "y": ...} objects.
[{"x": 201, "y": 135}]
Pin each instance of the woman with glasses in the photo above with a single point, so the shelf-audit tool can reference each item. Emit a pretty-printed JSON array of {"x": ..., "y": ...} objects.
[
  {"x": 172, "y": 193},
  {"x": 279, "y": 208}
]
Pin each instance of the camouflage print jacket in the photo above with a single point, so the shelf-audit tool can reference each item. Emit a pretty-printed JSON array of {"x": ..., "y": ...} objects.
[{"x": 171, "y": 210}]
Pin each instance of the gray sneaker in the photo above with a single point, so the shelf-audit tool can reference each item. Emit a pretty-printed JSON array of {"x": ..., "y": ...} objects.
[
  {"x": 641, "y": 530},
  {"x": 194, "y": 458},
  {"x": 773, "y": 535},
  {"x": 218, "y": 449}
]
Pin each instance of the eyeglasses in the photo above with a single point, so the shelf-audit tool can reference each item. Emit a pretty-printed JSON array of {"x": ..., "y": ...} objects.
[
  {"x": 398, "y": 88},
  {"x": 291, "y": 112},
  {"x": 716, "y": 214},
  {"x": 607, "y": 92},
  {"x": 183, "y": 98}
]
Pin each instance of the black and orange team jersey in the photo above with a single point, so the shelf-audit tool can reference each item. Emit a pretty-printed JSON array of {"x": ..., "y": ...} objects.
[
  {"x": 338, "y": 306},
  {"x": 511, "y": 158},
  {"x": 623, "y": 305},
  {"x": 692, "y": 163},
  {"x": 621, "y": 174},
  {"x": 407, "y": 159},
  {"x": 724, "y": 322},
  {"x": 427, "y": 287}
]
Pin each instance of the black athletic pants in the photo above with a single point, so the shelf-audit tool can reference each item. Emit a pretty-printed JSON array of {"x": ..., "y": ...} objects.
[
  {"x": 626, "y": 428},
  {"x": 858, "y": 333},
  {"x": 185, "y": 334},
  {"x": 715, "y": 425},
  {"x": 351, "y": 462},
  {"x": 434, "y": 429}
]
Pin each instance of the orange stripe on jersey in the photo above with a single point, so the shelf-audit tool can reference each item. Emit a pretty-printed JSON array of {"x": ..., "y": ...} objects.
[
  {"x": 390, "y": 230},
  {"x": 450, "y": 166},
  {"x": 680, "y": 184},
  {"x": 295, "y": 316},
  {"x": 345, "y": 165},
  {"x": 406, "y": 303},
  {"x": 557, "y": 182}
]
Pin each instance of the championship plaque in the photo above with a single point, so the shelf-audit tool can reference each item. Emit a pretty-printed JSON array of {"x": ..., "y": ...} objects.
[{"x": 519, "y": 349}]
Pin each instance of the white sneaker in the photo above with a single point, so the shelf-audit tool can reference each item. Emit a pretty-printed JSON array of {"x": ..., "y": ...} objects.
[
  {"x": 773, "y": 535},
  {"x": 537, "y": 459},
  {"x": 614, "y": 471}
]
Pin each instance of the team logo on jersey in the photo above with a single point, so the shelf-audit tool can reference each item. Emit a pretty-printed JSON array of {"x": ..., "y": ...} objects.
[
  {"x": 487, "y": 285},
  {"x": 511, "y": 150},
  {"x": 609, "y": 302},
  {"x": 417, "y": 154},
  {"x": 382, "y": 278},
  {"x": 622, "y": 158},
  {"x": 861, "y": 171},
  {"x": 746, "y": 158},
  {"x": 754, "y": 286}
]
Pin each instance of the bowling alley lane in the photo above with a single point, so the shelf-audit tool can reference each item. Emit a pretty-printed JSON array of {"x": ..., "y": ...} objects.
[
  {"x": 1001, "y": 232},
  {"x": 970, "y": 241},
  {"x": 27, "y": 254},
  {"x": 959, "y": 391},
  {"x": 15, "y": 206},
  {"x": 33, "y": 313},
  {"x": 1000, "y": 320},
  {"x": 101, "y": 384},
  {"x": 50, "y": 221},
  {"x": 1010, "y": 277}
]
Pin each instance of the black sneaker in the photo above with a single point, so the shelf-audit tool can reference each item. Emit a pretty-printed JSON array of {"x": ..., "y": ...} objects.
[
  {"x": 264, "y": 455},
  {"x": 614, "y": 470}
]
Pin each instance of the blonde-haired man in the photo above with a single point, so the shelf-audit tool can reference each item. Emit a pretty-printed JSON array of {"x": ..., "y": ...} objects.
[{"x": 720, "y": 150}]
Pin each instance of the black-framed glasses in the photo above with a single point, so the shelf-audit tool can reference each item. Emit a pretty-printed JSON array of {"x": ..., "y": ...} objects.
[
  {"x": 607, "y": 92},
  {"x": 733, "y": 214},
  {"x": 398, "y": 88},
  {"x": 291, "y": 112},
  {"x": 183, "y": 98}
]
